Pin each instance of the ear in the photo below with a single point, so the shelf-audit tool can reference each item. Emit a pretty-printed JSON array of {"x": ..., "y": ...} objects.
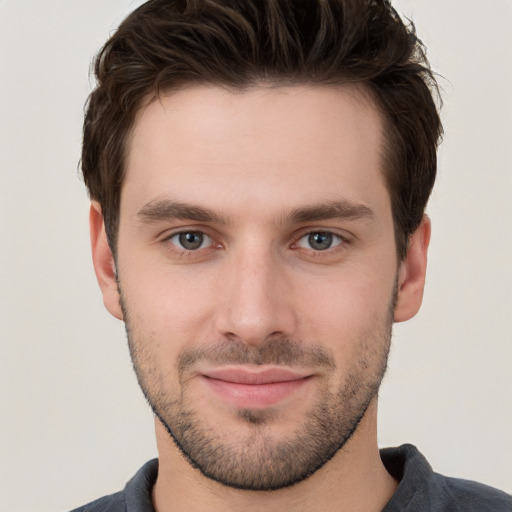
[
  {"x": 411, "y": 274},
  {"x": 103, "y": 261}
]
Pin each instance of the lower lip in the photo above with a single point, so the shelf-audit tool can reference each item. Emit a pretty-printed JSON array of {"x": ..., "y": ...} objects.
[{"x": 255, "y": 396}]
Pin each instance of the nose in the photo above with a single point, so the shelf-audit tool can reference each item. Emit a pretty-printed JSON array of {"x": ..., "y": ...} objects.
[{"x": 255, "y": 298}]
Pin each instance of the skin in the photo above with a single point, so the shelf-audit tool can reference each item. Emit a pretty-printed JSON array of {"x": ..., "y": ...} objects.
[{"x": 252, "y": 159}]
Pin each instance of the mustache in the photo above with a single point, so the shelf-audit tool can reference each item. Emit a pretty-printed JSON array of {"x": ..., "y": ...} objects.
[{"x": 272, "y": 352}]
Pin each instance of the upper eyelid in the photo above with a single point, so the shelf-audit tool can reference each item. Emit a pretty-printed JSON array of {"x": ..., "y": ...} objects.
[
  {"x": 169, "y": 233},
  {"x": 342, "y": 234},
  {"x": 172, "y": 235},
  {"x": 208, "y": 240},
  {"x": 176, "y": 247},
  {"x": 342, "y": 239}
]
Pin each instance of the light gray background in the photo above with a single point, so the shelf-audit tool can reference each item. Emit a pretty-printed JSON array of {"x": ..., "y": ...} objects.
[{"x": 74, "y": 424}]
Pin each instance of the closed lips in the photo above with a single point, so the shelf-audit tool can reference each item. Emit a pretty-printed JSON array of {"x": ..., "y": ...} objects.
[{"x": 244, "y": 376}]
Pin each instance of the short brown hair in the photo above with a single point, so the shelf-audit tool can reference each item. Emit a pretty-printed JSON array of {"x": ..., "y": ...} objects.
[{"x": 166, "y": 44}]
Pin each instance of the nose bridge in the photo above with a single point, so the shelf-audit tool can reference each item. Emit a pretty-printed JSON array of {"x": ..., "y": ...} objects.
[{"x": 255, "y": 303}]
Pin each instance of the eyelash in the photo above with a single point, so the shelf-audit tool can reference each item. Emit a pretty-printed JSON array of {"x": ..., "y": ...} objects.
[
  {"x": 340, "y": 242},
  {"x": 336, "y": 239},
  {"x": 182, "y": 251}
]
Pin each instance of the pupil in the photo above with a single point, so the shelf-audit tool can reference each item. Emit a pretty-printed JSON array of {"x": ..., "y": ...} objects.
[
  {"x": 320, "y": 241},
  {"x": 191, "y": 240}
]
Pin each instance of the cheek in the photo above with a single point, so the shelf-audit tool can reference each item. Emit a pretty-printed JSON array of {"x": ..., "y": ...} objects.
[
  {"x": 357, "y": 290},
  {"x": 171, "y": 307},
  {"x": 353, "y": 321}
]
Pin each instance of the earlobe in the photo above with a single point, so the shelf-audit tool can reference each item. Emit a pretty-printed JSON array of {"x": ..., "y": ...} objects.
[
  {"x": 103, "y": 260},
  {"x": 411, "y": 274}
]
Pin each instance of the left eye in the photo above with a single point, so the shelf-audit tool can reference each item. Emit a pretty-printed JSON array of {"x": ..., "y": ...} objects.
[
  {"x": 319, "y": 241},
  {"x": 191, "y": 240}
]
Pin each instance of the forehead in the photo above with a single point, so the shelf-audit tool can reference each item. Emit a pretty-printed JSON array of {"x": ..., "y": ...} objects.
[{"x": 262, "y": 145}]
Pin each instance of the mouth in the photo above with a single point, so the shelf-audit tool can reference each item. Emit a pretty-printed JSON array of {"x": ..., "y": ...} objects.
[{"x": 248, "y": 388}]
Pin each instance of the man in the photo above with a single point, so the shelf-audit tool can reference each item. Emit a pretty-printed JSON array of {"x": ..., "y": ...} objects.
[{"x": 259, "y": 173}]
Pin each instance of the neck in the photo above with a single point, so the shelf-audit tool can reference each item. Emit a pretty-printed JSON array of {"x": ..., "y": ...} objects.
[{"x": 353, "y": 480}]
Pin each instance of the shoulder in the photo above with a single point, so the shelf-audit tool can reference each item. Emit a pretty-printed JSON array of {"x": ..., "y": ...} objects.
[
  {"x": 135, "y": 497},
  {"x": 420, "y": 489},
  {"x": 469, "y": 496},
  {"x": 111, "y": 503}
]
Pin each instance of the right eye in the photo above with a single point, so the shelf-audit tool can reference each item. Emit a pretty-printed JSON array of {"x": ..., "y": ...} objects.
[{"x": 191, "y": 240}]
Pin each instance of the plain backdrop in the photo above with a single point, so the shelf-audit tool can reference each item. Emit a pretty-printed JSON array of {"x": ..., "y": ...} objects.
[{"x": 74, "y": 425}]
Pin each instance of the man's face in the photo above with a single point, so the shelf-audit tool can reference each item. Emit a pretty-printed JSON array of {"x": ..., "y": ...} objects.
[{"x": 258, "y": 274}]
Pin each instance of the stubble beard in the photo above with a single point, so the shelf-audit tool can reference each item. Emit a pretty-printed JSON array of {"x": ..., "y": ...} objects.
[{"x": 257, "y": 460}]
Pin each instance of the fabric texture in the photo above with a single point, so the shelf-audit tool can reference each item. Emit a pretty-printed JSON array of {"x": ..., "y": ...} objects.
[
  {"x": 422, "y": 490},
  {"x": 419, "y": 490}
]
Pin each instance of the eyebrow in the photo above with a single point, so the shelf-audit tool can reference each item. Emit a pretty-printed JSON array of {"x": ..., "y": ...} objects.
[
  {"x": 164, "y": 210},
  {"x": 343, "y": 210}
]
